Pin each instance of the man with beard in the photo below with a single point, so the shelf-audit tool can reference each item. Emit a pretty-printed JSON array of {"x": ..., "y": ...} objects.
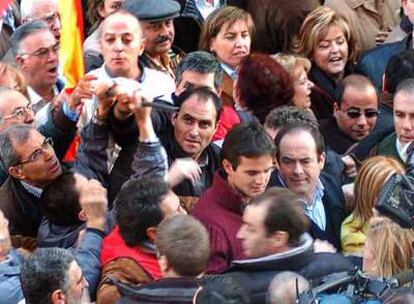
[
  {"x": 156, "y": 18},
  {"x": 247, "y": 163}
]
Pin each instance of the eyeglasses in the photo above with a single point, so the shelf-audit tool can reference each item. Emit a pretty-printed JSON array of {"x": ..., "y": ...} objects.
[
  {"x": 18, "y": 113},
  {"x": 35, "y": 156},
  {"x": 356, "y": 113},
  {"x": 44, "y": 52}
]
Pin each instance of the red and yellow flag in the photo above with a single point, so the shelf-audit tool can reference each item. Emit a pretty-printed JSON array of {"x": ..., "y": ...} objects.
[{"x": 71, "y": 41}]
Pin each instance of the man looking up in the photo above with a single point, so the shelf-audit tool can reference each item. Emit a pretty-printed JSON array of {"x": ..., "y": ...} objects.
[{"x": 247, "y": 162}]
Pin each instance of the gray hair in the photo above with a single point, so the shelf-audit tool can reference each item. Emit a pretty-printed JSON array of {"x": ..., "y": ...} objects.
[
  {"x": 284, "y": 115},
  {"x": 18, "y": 134},
  {"x": 24, "y": 31},
  {"x": 27, "y": 7},
  {"x": 406, "y": 85},
  {"x": 282, "y": 289},
  {"x": 203, "y": 63},
  {"x": 44, "y": 272}
]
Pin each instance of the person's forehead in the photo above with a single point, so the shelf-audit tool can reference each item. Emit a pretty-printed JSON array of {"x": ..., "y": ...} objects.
[
  {"x": 39, "y": 39},
  {"x": 33, "y": 142},
  {"x": 120, "y": 24},
  {"x": 75, "y": 272},
  {"x": 360, "y": 96},
  {"x": 238, "y": 25},
  {"x": 198, "y": 108},
  {"x": 255, "y": 163},
  {"x": 403, "y": 100},
  {"x": 297, "y": 140},
  {"x": 254, "y": 214},
  {"x": 11, "y": 100},
  {"x": 43, "y": 7}
]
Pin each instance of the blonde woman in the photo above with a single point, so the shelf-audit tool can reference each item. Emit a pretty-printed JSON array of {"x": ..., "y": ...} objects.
[
  {"x": 326, "y": 39},
  {"x": 388, "y": 249},
  {"x": 371, "y": 177},
  {"x": 298, "y": 68}
]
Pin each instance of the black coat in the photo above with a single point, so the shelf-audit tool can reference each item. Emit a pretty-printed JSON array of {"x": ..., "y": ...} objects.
[
  {"x": 334, "y": 203},
  {"x": 255, "y": 275}
]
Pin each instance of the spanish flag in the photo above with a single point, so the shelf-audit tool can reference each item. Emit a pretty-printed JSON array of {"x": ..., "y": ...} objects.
[{"x": 71, "y": 41}]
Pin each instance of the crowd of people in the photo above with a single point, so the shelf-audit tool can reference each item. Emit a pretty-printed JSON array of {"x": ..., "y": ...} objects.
[{"x": 225, "y": 151}]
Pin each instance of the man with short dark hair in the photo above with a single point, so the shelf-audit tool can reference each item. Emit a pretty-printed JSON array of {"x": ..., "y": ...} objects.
[
  {"x": 396, "y": 144},
  {"x": 274, "y": 238},
  {"x": 247, "y": 162},
  {"x": 52, "y": 275},
  {"x": 301, "y": 158},
  {"x": 128, "y": 252}
]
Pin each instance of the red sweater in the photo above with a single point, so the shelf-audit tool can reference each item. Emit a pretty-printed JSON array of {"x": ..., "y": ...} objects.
[{"x": 220, "y": 210}]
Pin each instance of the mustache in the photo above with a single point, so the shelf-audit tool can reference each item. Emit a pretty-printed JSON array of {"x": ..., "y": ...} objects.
[{"x": 161, "y": 39}]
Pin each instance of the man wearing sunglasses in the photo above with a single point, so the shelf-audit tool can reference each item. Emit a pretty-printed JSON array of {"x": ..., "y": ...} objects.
[{"x": 355, "y": 114}]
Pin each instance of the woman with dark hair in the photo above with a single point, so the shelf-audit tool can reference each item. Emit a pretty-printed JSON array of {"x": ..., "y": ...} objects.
[
  {"x": 227, "y": 34},
  {"x": 262, "y": 85},
  {"x": 326, "y": 39},
  {"x": 97, "y": 11}
]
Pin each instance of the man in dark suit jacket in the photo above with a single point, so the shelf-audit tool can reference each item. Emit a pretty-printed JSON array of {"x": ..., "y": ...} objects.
[{"x": 301, "y": 158}]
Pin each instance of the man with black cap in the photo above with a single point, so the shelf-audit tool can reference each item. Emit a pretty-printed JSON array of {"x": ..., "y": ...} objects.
[{"x": 156, "y": 18}]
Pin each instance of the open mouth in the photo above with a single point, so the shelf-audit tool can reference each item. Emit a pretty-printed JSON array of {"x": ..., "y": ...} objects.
[{"x": 53, "y": 71}]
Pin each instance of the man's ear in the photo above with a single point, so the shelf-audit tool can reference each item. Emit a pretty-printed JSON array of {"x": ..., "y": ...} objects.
[
  {"x": 16, "y": 172},
  {"x": 82, "y": 216},
  {"x": 142, "y": 46},
  {"x": 322, "y": 158},
  {"x": 164, "y": 264},
  {"x": 280, "y": 239},
  {"x": 227, "y": 166},
  {"x": 151, "y": 233},
  {"x": 19, "y": 60},
  {"x": 58, "y": 297},
  {"x": 174, "y": 119},
  {"x": 335, "y": 109}
]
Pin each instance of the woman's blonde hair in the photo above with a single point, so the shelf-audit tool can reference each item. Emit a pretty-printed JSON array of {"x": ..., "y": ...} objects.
[
  {"x": 392, "y": 247},
  {"x": 291, "y": 61},
  {"x": 371, "y": 177},
  {"x": 6, "y": 69},
  {"x": 315, "y": 28},
  {"x": 226, "y": 15}
]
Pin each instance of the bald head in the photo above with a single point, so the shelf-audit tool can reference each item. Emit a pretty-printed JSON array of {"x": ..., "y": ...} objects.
[{"x": 115, "y": 18}]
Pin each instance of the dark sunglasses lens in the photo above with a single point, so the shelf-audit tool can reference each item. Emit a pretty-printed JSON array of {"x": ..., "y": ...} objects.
[
  {"x": 353, "y": 114},
  {"x": 371, "y": 114}
]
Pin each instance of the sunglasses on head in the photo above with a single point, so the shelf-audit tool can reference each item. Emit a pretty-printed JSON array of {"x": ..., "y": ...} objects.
[{"x": 356, "y": 113}]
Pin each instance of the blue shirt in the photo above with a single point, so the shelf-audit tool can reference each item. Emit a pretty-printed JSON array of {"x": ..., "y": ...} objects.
[{"x": 315, "y": 209}]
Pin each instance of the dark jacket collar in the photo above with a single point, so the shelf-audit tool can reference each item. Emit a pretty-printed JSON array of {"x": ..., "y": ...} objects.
[{"x": 297, "y": 257}]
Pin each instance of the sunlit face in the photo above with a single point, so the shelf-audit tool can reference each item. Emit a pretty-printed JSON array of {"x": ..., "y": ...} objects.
[
  {"x": 299, "y": 163},
  {"x": 331, "y": 53},
  {"x": 38, "y": 59},
  {"x": 5, "y": 242},
  {"x": 253, "y": 236},
  {"x": 251, "y": 176},
  {"x": 190, "y": 79},
  {"x": 78, "y": 285},
  {"x": 121, "y": 44},
  {"x": 404, "y": 116},
  {"x": 159, "y": 36},
  {"x": 195, "y": 125},
  {"x": 40, "y": 171},
  {"x": 357, "y": 101},
  {"x": 15, "y": 109},
  {"x": 303, "y": 87},
  {"x": 232, "y": 43},
  {"x": 47, "y": 10}
]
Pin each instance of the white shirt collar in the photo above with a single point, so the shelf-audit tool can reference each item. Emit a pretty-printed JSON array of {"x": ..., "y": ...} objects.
[
  {"x": 402, "y": 149},
  {"x": 36, "y": 98}
]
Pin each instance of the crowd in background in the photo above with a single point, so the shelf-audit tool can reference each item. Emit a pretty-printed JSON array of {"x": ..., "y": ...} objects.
[{"x": 214, "y": 151}]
